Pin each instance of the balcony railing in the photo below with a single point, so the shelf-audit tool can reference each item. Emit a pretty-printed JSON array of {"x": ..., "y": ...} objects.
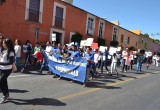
[
  {"x": 58, "y": 22},
  {"x": 33, "y": 15}
]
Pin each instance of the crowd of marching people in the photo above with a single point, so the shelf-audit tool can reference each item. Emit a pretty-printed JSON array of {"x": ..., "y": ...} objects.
[{"x": 96, "y": 59}]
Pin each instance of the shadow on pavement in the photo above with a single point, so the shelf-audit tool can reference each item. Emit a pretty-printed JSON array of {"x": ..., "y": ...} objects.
[
  {"x": 37, "y": 101},
  {"x": 100, "y": 85},
  {"x": 17, "y": 91}
]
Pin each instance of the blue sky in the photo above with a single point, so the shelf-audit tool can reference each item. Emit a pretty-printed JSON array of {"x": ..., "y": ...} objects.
[{"x": 143, "y": 15}]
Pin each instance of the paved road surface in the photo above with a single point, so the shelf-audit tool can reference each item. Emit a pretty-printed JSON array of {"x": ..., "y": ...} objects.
[{"x": 132, "y": 91}]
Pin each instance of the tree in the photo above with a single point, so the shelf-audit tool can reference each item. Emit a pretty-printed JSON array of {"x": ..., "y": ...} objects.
[
  {"x": 101, "y": 41},
  {"x": 114, "y": 43},
  {"x": 146, "y": 34},
  {"x": 77, "y": 37}
]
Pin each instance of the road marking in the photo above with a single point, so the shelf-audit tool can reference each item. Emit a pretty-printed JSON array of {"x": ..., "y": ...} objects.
[
  {"x": 18, "y": 76},
  {"x": 96, "y": 89}
]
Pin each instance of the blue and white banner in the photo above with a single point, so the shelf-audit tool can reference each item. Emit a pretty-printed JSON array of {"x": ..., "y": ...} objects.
[{"x": 74, "y": 69}]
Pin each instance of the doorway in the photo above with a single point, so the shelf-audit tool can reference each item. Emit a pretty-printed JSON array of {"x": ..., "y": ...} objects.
[{"x": 58, "y": 37}]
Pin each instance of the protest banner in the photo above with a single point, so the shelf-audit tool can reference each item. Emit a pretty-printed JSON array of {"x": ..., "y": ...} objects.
[{"x": 74, "y": 69}]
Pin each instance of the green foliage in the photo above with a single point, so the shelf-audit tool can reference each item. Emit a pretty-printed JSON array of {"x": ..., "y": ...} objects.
[
  {"x": 101, "y": 41},
  {"x": 114, "y": 43},
  {"x": 132, "y": 48},
  {"x": 77, "y": 37},
  {"x": 157, "y": 41}
]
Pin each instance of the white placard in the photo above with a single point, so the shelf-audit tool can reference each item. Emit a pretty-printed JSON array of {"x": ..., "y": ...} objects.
[
  {"x": 25, "y": 48},
  {"x": 83, "y": 43},
  {"x": 102, "y": 48},
  {"x": 89, "y": 42},
  {"x": 112, "y": 50},
  {"x": 119, "y": 49},
  {"x": 53, "y": 37},
  {"x": 72, "y": 43}
]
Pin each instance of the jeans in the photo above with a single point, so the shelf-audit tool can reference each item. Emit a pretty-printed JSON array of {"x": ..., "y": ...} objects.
[
  {"x": 87, "y": 75},
  {"x": 17, "y": 61},
  {"x": 113, "y": 67},
  {"x": 3, "y": 81},
  {"x": 104, "y": 63},
  {"x": 139, "y": 66}
]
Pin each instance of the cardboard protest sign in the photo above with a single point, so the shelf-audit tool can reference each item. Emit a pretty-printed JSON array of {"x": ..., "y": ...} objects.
[
  {"x": 112, "y": 50},
  {"x": 89, "y": 42},
  {"x": 53, "y": 37},
  {"x": 94, "y": 45},
  {"x": 83, "y": 43},
  {"x": 119, "y": 49},
  {"x": 102, "y": 48}
]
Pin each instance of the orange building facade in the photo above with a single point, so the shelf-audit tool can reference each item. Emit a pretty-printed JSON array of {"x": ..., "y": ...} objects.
[{"x": 50, "y": 19}]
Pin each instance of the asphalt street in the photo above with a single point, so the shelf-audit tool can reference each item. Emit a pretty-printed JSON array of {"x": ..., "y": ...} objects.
[{"x": 131, "y": 91}]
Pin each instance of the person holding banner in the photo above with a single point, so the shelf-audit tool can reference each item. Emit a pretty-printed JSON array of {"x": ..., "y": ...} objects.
[
  {"x": 75, "y": 52},
  {"x": 88, "y": 56},
  {"x": 48, "y": 48}
]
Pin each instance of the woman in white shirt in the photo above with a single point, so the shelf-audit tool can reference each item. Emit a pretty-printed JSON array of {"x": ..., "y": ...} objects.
[
  {"x": 96, "y": 59},
  {"x": 114, "y": 64},
  {"x": 17, "y": 49},
  {"x": 6, "y": 61}
]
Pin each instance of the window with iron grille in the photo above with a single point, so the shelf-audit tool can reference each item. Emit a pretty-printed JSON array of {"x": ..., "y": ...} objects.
[
  {"x": 128, "y": 40},
  {"x": 122, "y": 38},
  {"x": 115, "y": 34},
  {"x": 101, "y": 26},
  {"x": 59, "y": 17},
  {"x": 90, "y": 27},
  {"x": 34, "y": 10}
]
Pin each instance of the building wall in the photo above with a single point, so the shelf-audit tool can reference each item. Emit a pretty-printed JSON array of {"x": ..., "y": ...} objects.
[
  {"x": 134, "y": 38},
  {"x": 146, "y": 43},
  {"x": 14, "y": 25}
]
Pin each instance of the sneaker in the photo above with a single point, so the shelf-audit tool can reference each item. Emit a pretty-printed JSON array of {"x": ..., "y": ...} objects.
[
  {"x": 3, "y": 99},
  {"x": 22, "y": 70},
  {"x": 84, "y": 85},
  {"x": 125, "y": 71},
  {"x": 59, "y": 78},
  {"x": 107, "y": 72}
]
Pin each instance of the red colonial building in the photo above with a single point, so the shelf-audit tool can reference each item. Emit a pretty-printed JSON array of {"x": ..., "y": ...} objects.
[{"x": 43, "y": 20}]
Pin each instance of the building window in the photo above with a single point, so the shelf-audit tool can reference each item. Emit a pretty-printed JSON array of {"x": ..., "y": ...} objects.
[
  {"x": 59, "y": 17},
  {"x": 128, "y": 40},
  {"x": 59, "y": 14},
  {"x": 115, "y": 34},
  {"x": 122, "y": 38},
  {"x": 101, "y": 29},
  {"x": 34, "y": 10},
  {"x": 90, "y": 24}
]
